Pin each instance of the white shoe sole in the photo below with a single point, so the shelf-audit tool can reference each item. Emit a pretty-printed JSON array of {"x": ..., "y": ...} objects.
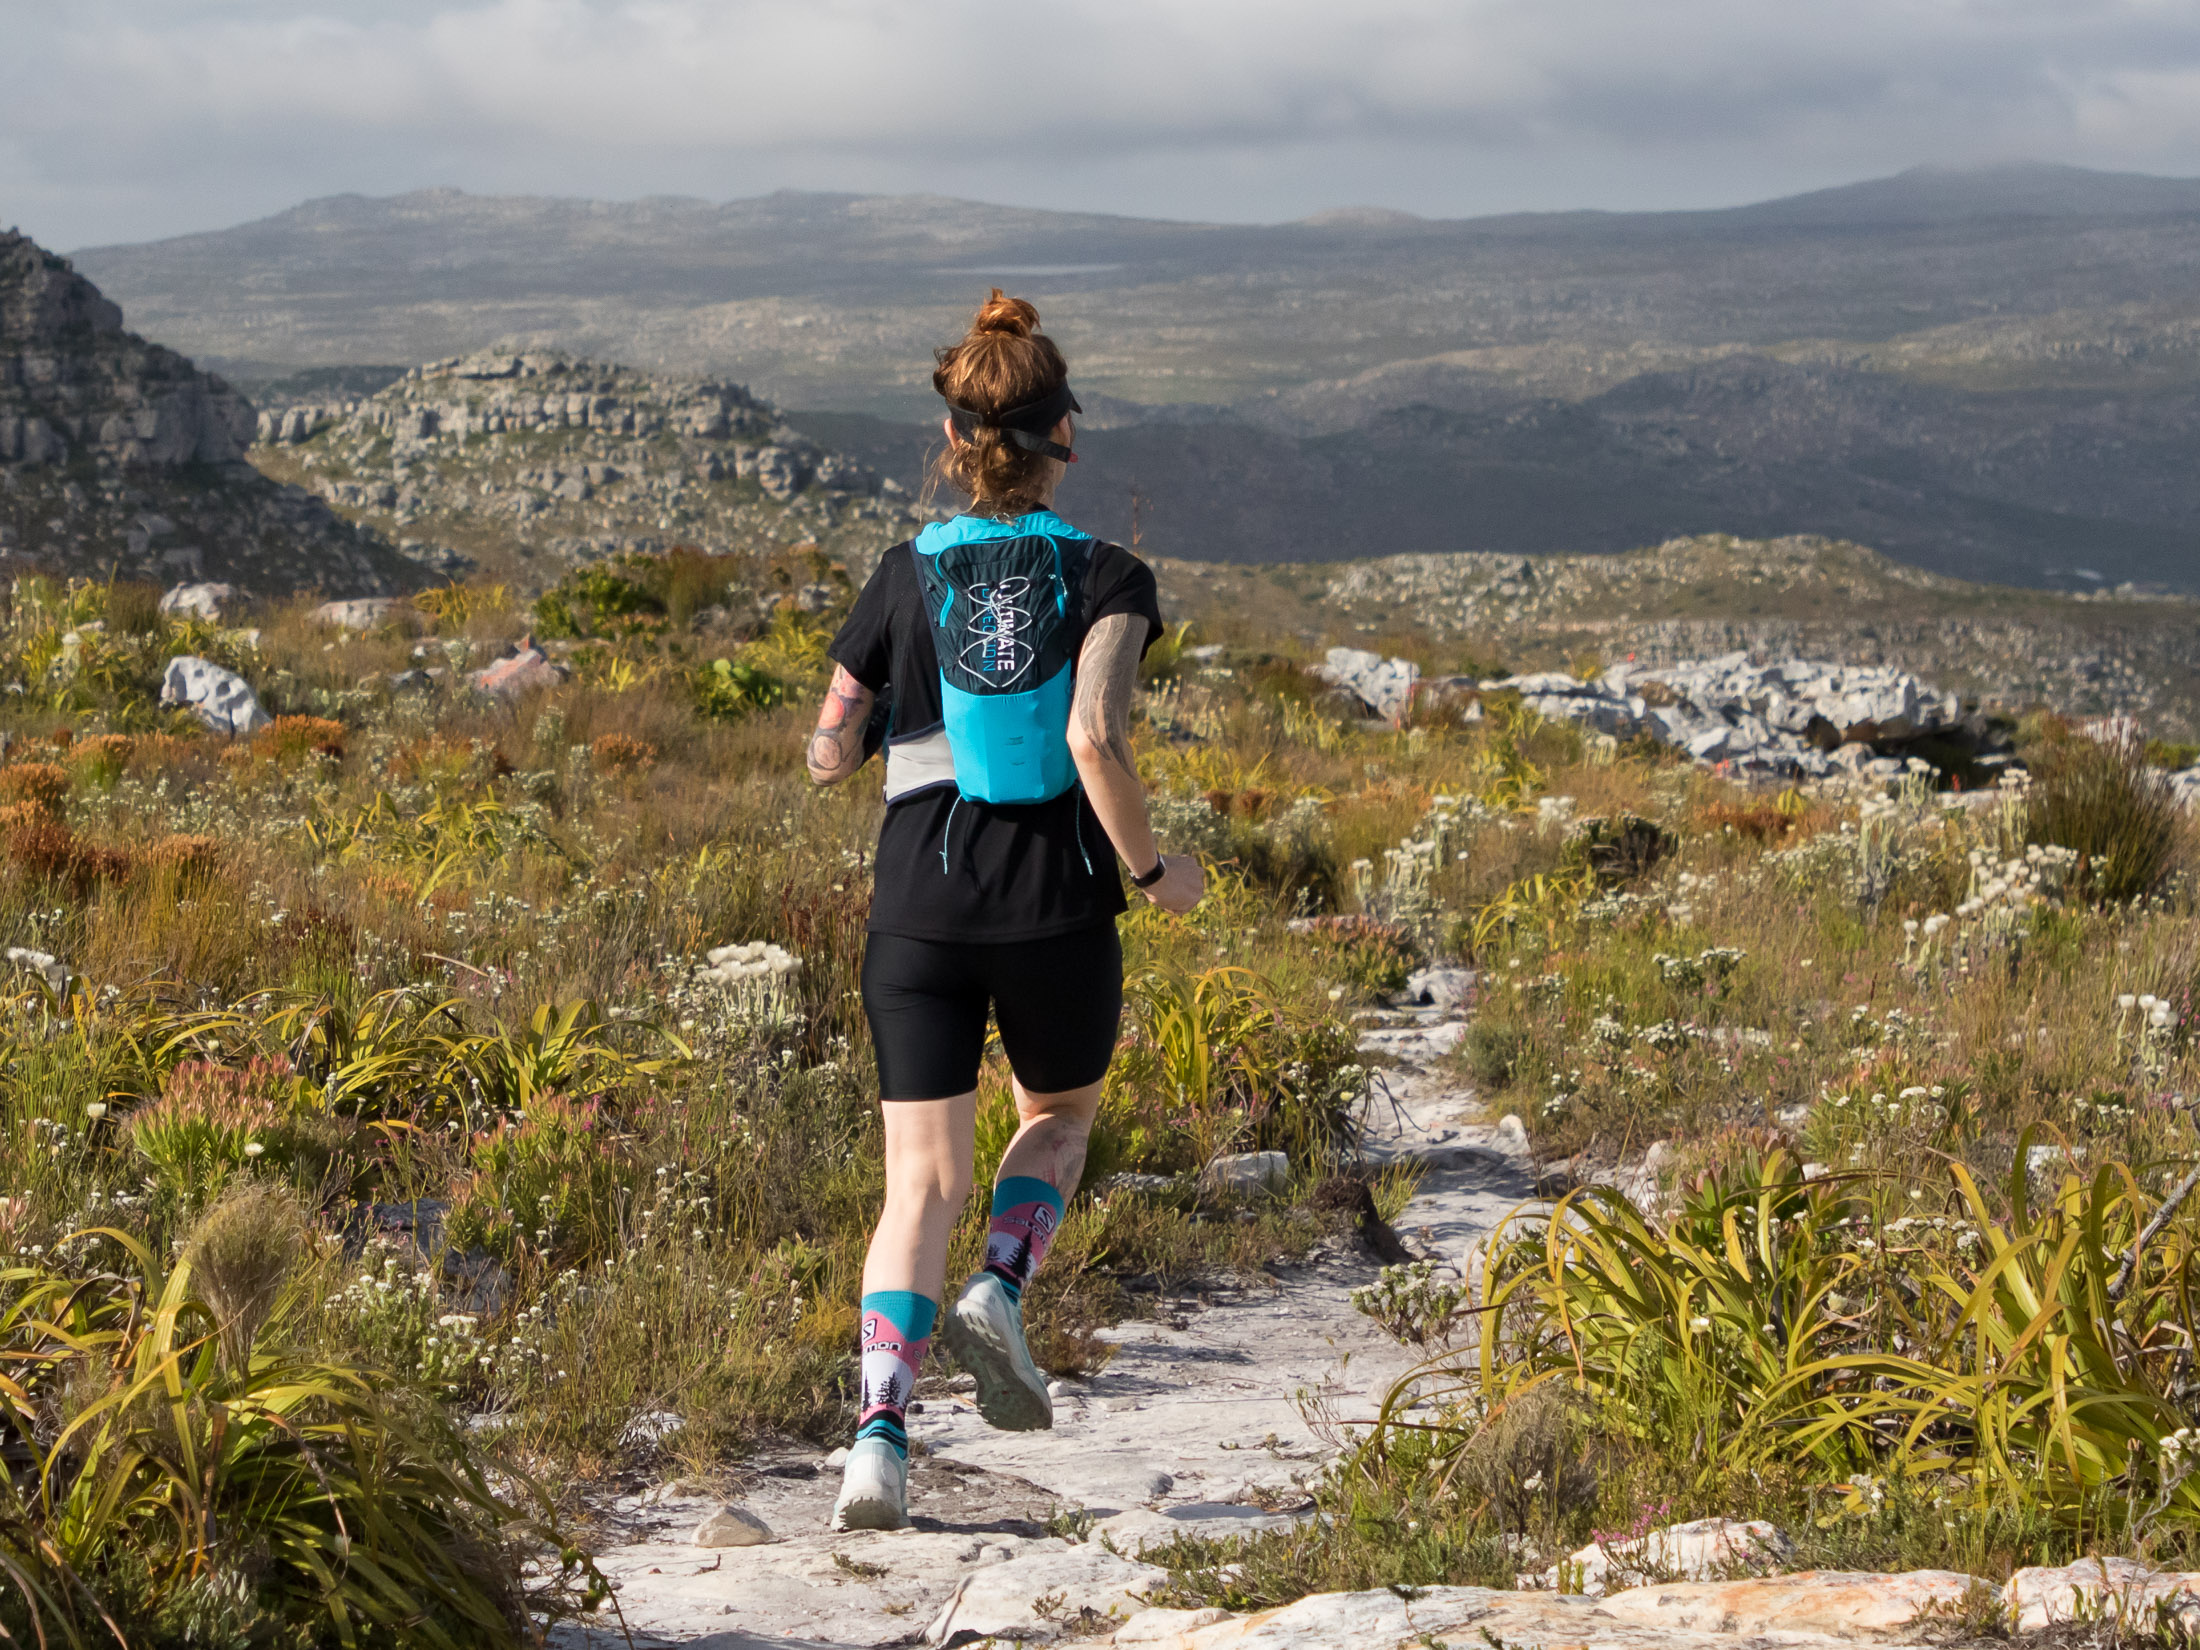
[
  {"x": 984, "y": 1334},
  {"x": 874, "y": 1493},
  {"x": 866, "y": 1512}
]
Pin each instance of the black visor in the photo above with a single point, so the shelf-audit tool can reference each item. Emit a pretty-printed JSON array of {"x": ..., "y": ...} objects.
[{"x": 1030, "y": 425}]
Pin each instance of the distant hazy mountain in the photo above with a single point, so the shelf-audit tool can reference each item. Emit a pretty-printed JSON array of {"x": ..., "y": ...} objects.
[
  {"x": 1990, "y": 372},
  {"x": 1942, "y": 194}
]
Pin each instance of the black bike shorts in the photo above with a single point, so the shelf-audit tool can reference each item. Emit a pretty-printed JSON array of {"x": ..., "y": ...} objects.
[{"x": 1057, "y": 1002}]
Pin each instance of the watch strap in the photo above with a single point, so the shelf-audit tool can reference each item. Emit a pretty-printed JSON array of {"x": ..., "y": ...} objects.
[{"x": 1160, "y": 869}]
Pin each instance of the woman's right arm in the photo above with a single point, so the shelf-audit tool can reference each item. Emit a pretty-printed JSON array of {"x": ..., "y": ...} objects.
[{"x": 836, "y": 748}]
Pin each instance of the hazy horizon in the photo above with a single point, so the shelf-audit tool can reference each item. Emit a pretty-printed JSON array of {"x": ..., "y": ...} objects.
[
  {"x": 135, "y": 120},
  {"x": 1150, "y": 217}
]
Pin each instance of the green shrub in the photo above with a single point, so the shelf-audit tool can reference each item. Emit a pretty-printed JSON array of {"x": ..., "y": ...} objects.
[
  {"x": 591, "y": 601},
  {"x": 552, "y": 1183},
  {"x": 726, "y": 690},
  {"x": 1373, "y": 956},
  {"x": 211, "y": 1122},
  {"x": 2101, "y": 800},
  {"x": 184, "y": 1487},
  {"x": 1616, "y": 850},
  {"x": 1492, "y": 1051},
  {"x": 1786, "y": 1325}
]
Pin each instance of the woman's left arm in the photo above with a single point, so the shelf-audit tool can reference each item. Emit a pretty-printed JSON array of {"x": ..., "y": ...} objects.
[
  {"x": 1100, "y": 743},
  {"x": 836, "y": 748}
]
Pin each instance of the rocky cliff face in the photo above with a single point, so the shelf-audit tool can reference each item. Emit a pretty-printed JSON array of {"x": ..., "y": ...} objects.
[
  {"x": 73, "y": 383},
  {"x": 120, "y": 458}
]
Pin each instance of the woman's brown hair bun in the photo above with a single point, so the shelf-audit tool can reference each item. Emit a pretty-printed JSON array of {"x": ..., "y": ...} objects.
[
  {"x": 1001, "y": 313},
  {"x": 1003, "y": 361}
]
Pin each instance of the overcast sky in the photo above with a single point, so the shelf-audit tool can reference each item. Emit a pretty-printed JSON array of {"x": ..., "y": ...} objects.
[{"x": 124, "y": 120}]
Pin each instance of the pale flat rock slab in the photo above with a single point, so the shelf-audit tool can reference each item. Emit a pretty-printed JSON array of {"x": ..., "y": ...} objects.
[
  {"x": 1839, "y": 1603},
  {"x": 1811, "y": 1614},
  {"x": 2098, "y": 1588},
  {"x": 1419, "y": 1044},
  {"x": 1704, "y": 1549},
  {"x": 811, "y": 1584},
  {"x": 1381, "y": 1620},
  {"x": 1158, "y": 1626},
  {"x": 1142, "y": 1527},
  {"x": 1040, "y": 1594},
  {"x": 1202, "y": 1412}
]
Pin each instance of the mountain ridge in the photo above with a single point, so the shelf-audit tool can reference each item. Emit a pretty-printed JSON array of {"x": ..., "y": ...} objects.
[{"x": 2031, "y": 334}]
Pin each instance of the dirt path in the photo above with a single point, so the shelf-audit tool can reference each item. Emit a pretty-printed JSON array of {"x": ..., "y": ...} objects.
[{"x": 1196, "y": 1424}]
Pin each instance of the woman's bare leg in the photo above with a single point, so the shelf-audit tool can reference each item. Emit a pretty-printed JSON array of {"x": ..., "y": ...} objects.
[
  {"x": 928, "y": 1150},
  {"x": 929, "y": 1145},
  {"x": 1050, "y": 1146}
]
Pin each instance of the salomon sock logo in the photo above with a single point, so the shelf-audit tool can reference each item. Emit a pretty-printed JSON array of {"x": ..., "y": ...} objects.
[
  {"x": 897, "y": 1327},
  {"x": 1026, "y": 1213}
]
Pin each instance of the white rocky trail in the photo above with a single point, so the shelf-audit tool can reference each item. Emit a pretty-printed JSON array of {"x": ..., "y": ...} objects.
[{"x": 1198, "y": 1423}]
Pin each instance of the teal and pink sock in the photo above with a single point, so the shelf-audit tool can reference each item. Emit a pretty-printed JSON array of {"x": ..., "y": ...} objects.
[
  {"x": 1026, "y": 1213},
  {"x": 897, "y": 1327}
]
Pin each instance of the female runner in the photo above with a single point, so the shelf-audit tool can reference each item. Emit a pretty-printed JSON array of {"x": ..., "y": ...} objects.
[{"x": 977, "y": 906}]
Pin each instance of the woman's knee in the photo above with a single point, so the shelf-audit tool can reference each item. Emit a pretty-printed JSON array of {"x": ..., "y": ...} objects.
[
  {"x": 928, "y": 1185},
  {"x": 1075, "y": 1107}
]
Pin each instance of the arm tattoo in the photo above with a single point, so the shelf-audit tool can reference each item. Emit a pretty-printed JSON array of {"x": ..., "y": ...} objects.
[
  {"x": 1107, "y": 669},
  {"x": 836, "y": 748}
]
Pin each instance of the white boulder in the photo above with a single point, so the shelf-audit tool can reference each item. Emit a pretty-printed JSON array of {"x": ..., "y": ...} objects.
[
  {"x": 2100, "y": 1589},
  {"x": 1787, "y": 716},
  {"x": 359, "y": 613},
  {"x": 1445, "y": 988},
  {"x": 1247, "y": 1172},
  {"x": 199, "y": 601},
  {"x": 1385, "y": 686},
  {"x": 222, "y": 699},
  {"x": 732, "y": 1526}
]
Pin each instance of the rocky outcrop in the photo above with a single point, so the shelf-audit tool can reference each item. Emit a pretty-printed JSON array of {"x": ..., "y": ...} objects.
[
  {"x": 1790, "y": 716},
  {"x": 1793, "y": 717},
  {"x": 120, "y": 458},
  {"x": 527, "y": 463}
]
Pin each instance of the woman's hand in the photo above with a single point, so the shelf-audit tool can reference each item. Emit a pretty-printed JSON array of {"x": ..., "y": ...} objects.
[{"x": 1183, "y": 884}]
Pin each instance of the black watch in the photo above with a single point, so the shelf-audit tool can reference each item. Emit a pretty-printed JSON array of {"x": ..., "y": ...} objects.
[{"x": 1160, "y": 869}]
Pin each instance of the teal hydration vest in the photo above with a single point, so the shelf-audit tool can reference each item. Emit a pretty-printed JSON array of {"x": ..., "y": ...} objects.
[{"x": 1003, "y": 598}]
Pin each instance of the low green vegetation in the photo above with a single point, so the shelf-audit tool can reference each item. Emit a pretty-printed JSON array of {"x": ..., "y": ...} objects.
[{"x": 401, "y": 1105}]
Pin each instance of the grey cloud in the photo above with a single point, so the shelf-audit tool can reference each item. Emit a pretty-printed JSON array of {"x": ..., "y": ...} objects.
[{"x": 138, "y": 117}]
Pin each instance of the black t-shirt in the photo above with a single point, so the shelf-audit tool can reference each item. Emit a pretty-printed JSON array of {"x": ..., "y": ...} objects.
[{"x": 1010, "y": 873}]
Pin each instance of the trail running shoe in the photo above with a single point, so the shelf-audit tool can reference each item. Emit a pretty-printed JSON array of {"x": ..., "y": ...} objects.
[
  {"x": 985, "y": 1331},
  {"x": 874, "y": 1488}
]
